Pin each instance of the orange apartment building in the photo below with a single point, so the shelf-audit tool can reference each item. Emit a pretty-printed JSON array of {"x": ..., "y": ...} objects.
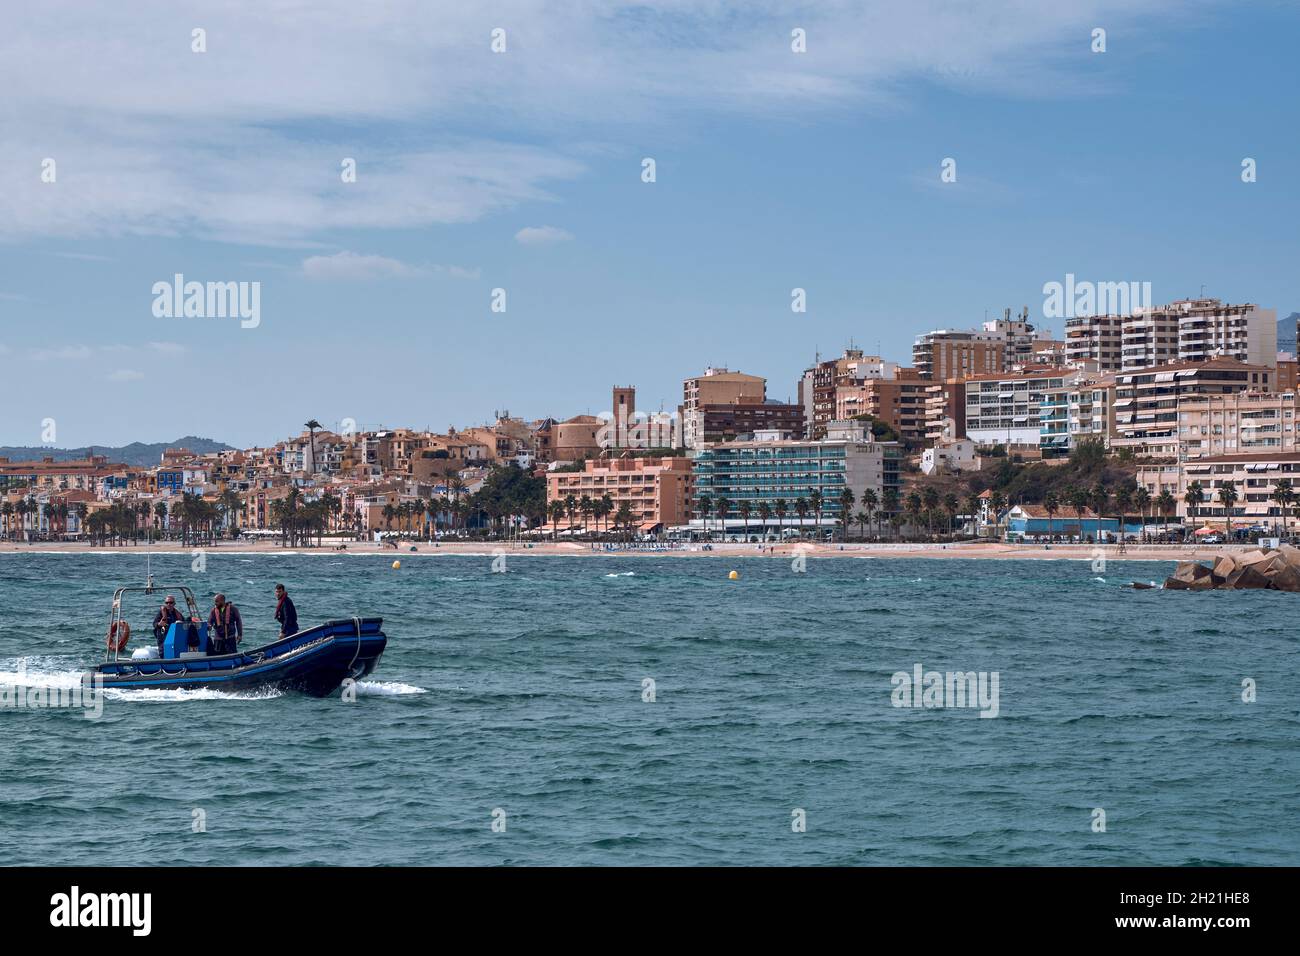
[{"x": 657, "y": 490}]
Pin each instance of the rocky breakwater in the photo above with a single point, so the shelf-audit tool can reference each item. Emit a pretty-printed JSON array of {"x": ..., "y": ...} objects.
[{"x": 1275, "y": 569}]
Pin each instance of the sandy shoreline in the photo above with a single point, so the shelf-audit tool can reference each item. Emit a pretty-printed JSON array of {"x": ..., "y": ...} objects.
[{"x": 981, "y": 550}]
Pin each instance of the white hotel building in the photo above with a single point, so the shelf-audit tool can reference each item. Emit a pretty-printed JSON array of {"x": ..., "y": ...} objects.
[{"x": 1027, "y": 409}]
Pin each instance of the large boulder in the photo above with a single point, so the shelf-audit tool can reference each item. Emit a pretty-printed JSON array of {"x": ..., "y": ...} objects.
[
  {"x": 1256, "y": 557},
  {"x": 1291, "y": 555},
  {"x": 1247, "y": 577},
  {"x": 1224, "y": 566},
  {"x": 1174, "y": 584},
  {"x": 1191, "y": 571},
  {"x": 1285, "y": 579}
]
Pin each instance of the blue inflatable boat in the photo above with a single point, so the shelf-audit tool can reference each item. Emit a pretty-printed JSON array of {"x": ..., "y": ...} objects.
[{"x": 315, "y": 661}]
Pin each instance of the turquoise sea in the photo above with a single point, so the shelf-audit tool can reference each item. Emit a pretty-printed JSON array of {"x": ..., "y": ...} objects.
[{"x": 523, "y": 693}]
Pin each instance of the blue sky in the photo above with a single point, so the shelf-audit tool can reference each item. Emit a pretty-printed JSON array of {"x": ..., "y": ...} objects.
[{"x": 775, "y": 170}]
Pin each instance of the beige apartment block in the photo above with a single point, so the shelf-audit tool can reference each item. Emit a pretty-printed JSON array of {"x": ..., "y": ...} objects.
[
  {"x": 1255, "y": 476},
  {"x": 1147, "y": 401},
  {"x": 1239, "y": 423},
  {"x": 656, "y": 490}
]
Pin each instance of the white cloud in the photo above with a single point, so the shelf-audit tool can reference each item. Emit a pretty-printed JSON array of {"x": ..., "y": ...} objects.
[
  {"x": 352, "y": 265},
  {"x": 167, "y": 348},
  {"x": 244, "y": 142},
  {"x": 64, "y": 353},
  {"x": 125, "y": 375},
  {"x": 539, "y": 235}
]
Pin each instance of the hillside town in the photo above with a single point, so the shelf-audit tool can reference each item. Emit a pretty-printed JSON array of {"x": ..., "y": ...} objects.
[{"x": 1165, "y": 423}]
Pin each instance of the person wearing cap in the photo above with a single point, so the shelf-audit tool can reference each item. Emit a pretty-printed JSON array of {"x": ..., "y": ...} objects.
[
  {"x": 167, "y": 615},
  {"x": 225, "y": 626}
]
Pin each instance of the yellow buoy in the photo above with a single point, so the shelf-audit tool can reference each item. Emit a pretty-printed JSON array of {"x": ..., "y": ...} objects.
[
  {"x": 734, "y": 575},
  {"x": 397, "y": 565}
]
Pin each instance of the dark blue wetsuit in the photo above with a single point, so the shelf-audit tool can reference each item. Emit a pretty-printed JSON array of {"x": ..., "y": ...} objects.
[{"x": 287, "y": 615}]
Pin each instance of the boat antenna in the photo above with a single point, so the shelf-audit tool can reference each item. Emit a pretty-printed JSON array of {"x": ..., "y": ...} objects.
[{"x": 148, "y": 572}]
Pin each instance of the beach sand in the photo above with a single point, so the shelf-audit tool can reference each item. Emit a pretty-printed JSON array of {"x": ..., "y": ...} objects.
[{"x": 983, "y": 550}]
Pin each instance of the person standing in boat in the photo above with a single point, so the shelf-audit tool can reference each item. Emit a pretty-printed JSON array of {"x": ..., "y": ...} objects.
[
  {"x": 285, "y": 612},
  {"x": 225, "y": 626},
  {"x": 167, "y": 615}
]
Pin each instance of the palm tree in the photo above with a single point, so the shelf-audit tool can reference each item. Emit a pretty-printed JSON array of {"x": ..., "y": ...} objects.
[
  {"x": 585, "y": 509},
  {"x": 723, "y": 506},
  {"x": 914, "y": 506},
  {"x": 1227, "y": 498},
  {"x": 1098, "y": 498},
  {"x": 744, "y": 510},
  {"x": 1123, "y": 500},
  {"x": 764, "y": 515},
  {"x": 557, "y": 512},
  {"x": 781, "y": 508},
  {"x": 1142, "y": 501},
  {"x": 704, "y": 504},
  {"x": 864, "y": 518},
  {"x": 889, "y": 506},
  {"x": 997, "y": 503},
  {"x": 231, "y": 504},
  {"x": 311, "y": 425},
  {"x": 1194, "y": 497},
  {"x": 160, "y": 512},
  {"x": 624, "y": 517},
  {"x": 846, "y": 512},
  {"x": 815, "y": 503},
  {"x": 1284, "y": 495},
  {"x": 1079, "y": 502},
  {"x": 1051, "y": 504},
  {"x": 7, "y": 512},
  {"x": 951, "y": 506},
  {"x": 930, "y": 498},
  {"x": 801, "y": 509},
  {"x": 1165, "y": 504},
  {"x": 870, "y": 502},
  {"x": 571, "y": 509}
]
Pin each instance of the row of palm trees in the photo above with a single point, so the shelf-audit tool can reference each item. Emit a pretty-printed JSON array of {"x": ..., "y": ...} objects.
[
  {"x": 192, "y": 517},
  {"x": 879, "y": 510},
  {"x": 1283, "y": 495},
  {"x": 591, "y": 510},
  {"x": 1130, "y": 498}
]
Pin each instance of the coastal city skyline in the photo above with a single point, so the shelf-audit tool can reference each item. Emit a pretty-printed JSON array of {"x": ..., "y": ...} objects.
[
  {"x": 774, "y": 170},
  {"x": 635, "y": 434}
]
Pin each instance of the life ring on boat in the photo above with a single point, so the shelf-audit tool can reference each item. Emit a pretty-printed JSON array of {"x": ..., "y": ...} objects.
[{"x": 119, "y": 632}]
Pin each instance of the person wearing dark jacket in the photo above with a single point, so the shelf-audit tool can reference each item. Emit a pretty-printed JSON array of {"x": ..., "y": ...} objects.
[
  {"x": 285, "y": 612},
  {"x": 225, "y": 626},
  {"x": 167, "y": 615}
]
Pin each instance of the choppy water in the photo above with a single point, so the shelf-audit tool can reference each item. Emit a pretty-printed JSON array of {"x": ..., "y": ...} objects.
[{"x": 523, "y": 691}]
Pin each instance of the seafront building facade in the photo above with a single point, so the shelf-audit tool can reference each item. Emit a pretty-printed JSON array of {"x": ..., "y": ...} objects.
[
  {"x": 657, "y": 491},
  {"x": 1242, "y": 422},
  {"x": 1254, "y": 476},
  {"x": 1021, "y": 410},
  {"x": 1147, "y": 401},
  {"x": 774, "y": 468}
]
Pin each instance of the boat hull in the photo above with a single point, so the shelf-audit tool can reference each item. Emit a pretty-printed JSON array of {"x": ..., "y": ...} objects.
[{"x": 315, "y": 662}]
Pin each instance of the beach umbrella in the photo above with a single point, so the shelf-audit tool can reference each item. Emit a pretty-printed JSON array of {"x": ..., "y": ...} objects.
[{"x": 1207, "y": 530}]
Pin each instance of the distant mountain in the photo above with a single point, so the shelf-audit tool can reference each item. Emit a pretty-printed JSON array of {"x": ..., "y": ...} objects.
[
  {"x": 136, "y": 453},
  {"x": 1286, "y": 333}
]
